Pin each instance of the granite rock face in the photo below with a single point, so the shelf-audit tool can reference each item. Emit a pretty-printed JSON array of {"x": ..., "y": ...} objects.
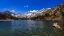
[{"x": 55, "y": 13}]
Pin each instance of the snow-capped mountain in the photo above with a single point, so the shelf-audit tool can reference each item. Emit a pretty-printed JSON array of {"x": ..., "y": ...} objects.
[
  {"x": 30, "y": 13},
  {"x": 42, "y": 12}
]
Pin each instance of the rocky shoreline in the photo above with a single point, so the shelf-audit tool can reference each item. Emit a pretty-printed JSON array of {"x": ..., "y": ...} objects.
[{"x": 5, "y": 20}]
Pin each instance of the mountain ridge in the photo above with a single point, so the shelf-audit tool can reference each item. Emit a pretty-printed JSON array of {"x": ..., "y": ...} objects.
[{"x": 54, "y": 13}]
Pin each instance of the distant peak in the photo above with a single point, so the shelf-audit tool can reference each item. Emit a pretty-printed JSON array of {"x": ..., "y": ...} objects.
[{"x": 6, "y": 11}]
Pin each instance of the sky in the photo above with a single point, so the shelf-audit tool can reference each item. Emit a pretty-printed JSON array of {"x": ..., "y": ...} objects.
[{"x": 23, "y": 6}]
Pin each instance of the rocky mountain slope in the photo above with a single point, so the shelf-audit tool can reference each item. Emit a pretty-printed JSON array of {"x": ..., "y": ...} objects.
[{"x": 55, "y": 13}]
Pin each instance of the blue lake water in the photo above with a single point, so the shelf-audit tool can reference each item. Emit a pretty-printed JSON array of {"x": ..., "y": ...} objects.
[{"x": 28, "y": 28}]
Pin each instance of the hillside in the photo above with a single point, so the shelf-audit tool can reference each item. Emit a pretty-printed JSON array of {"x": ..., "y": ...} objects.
[{"x": 55, "y": 13}]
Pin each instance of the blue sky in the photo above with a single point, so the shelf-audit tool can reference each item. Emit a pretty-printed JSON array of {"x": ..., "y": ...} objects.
[{"x": 22, "y": 6}]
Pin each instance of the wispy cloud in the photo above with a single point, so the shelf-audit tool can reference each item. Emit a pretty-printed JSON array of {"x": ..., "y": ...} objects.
[
  {"x": 4, "y": 9},
  {"x": 12, "y": 11},
  {"x": 26, "y": 6}
]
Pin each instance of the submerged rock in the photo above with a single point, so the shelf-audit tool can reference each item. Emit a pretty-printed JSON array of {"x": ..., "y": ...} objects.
[{"x": 56, "y": 25}]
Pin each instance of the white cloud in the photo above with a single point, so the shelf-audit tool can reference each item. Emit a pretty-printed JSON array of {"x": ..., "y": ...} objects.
[
  {"x": 26, "y": 6},
  {"x": 12, "y": 11},
  {"x": 48, "y": 8},
  {"x": 33, "y": 11}
]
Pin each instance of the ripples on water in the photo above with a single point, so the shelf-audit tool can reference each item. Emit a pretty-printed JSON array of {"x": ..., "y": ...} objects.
[{"x": 28, "y": 28}]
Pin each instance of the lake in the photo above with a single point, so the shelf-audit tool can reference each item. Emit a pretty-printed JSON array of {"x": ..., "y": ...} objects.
[{"x": 29, "y": 28}]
